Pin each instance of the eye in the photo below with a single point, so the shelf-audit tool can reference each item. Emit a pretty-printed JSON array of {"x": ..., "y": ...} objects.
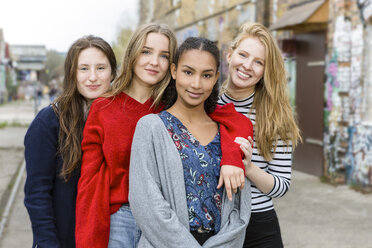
[
  {"x": 187, "y": 72},
  {"x": 207, "y": 75},
  {"x": 145, "y": 51},
  {"x": 101, "y": 68},
  {"x": 83, "y": 68},
  {"x": 164, "y": 56},
  {"x": 242, "y": 55},
  {"x": 259, "y": 62}
]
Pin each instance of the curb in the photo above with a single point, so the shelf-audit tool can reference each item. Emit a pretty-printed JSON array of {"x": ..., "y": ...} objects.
[{"x": 9, "y": 197}]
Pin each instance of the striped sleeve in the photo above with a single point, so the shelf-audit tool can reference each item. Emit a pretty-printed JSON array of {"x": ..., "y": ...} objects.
[{"x": 280, "y": 168}]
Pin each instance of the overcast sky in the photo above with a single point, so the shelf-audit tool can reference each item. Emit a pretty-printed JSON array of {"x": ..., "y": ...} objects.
[{"x": 58, "y": 23}]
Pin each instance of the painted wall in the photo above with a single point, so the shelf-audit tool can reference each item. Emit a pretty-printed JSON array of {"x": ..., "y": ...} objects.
[{"x": 348, "y": 115}]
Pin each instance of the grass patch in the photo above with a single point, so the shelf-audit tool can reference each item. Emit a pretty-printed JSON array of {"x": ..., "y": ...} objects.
[{"x": 5, "y": 124}]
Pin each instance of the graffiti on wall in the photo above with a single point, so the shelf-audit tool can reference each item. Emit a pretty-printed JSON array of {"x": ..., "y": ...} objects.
[
  {"x": 348, "y": 142},
  {"x": 361, "y": 156},
  {"x": 365, "y": 7}
]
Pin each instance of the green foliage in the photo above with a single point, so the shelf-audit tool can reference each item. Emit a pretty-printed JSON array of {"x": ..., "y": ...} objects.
[
  {"x": 121, "y": 42},
  {"x": 54, "y": 65}
]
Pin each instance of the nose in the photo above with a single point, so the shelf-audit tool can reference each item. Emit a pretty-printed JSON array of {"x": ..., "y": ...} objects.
[
  {"x": 247, "y": 64},
  {"x": 195, "y": 82},
  {"x": 154, "y": 60},
  {"x": 93, "y": 76}
]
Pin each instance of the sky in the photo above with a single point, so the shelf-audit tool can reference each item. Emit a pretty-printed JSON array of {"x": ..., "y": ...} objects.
[{"x": 58, "y": 23}]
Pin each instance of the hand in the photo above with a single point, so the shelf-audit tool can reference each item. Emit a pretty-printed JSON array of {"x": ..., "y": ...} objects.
[
  {"x": 246, "y": 146},
  {"x": 232, "y": 177}
]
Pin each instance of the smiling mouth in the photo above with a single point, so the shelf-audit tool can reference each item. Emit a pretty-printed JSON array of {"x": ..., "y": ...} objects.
[
  {"x": 152, "y": 72},
  {"x": 93, "y": 87},
  {"x": 194, "y": 95},
  {"x": 243, "y": 75}
]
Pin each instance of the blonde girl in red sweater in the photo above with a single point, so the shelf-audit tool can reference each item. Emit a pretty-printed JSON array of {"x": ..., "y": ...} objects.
[{"x": 103, "y": 216}]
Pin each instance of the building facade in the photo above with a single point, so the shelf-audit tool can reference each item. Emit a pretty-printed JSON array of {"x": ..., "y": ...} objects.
[{"x": 29, "y": 64}]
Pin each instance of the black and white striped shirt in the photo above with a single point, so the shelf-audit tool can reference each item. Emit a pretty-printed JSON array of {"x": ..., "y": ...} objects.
[{"x": 279, "y": 167}]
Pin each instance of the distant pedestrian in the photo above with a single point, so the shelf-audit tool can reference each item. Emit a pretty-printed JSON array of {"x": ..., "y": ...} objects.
[
  {"x": 52, "y": 143},
  {"x": 257, "y": 86},
  {"x": 52, "y": 93}
]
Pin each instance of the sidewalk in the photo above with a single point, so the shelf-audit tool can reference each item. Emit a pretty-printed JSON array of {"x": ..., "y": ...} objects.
[
  {"x": 314, "y": 214},
  {"x": 16, "y": 226}
]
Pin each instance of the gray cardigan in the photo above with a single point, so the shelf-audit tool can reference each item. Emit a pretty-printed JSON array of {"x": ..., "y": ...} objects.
[{"x": 157, "y": 194}]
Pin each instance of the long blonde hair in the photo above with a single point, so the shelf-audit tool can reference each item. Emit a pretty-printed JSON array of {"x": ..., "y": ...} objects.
[
  {"x": 132, "y": 52},
  {"x": 275, "y": 117}
]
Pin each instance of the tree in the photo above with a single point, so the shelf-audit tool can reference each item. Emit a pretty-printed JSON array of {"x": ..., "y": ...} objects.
[
  {"x": 121, "y": 43},
  {"x": 54, "y": 65}
]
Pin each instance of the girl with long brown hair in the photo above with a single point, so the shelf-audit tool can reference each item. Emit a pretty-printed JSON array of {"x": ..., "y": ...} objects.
[
  {"x": 257, "y": 86},
  {"x": 52, "y": 143}
]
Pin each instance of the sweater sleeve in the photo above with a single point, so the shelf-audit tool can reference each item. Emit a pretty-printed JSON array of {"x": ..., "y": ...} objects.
[
  {"x": 232, "y": 125},
  {"x": 159, "y": 223},
  {"x": 93, "y": 204},
  {"x": 41, "y": 142}
]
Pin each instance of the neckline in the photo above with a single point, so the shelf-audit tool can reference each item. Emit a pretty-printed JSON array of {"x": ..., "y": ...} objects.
[
  {"x": 188, "y": 131},
  {"x": 131, "y": 100},
  {"x": 240, "y": 100}
]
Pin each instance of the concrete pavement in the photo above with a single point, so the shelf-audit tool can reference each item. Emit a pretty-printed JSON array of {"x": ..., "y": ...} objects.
[
  {"x": 312, "y": 214},
  {"x": 15, "y": 227}
]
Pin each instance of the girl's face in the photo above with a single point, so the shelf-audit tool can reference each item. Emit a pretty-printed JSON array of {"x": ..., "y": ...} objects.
[
  {"x": 195, "y": 75},
  {"x": 153, "y": 62},
  {"x": 246, "y": 64},
  {"x": 93, "y": 73}
]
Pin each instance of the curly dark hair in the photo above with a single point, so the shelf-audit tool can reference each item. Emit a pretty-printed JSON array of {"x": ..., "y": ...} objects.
[{"x": 194, "y": 43}]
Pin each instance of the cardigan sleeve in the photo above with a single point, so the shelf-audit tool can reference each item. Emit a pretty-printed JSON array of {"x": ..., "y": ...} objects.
[
  {"x": 92, "y": 203},
  {"x": 232, "y": 125},
  {"x": 41, "y": 142},
  {"x": 159, "y": 223}
]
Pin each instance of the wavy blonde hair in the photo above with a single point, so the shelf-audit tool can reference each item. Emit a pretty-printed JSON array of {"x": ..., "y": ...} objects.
[
  {"x": 132, "y": 52},
  {"x": 275, "y": 117}
]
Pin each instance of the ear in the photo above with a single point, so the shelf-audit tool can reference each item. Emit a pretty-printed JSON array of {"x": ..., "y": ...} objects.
[
  {"x": 228, "y": 56},
  {"x": 173, "y": 70}
]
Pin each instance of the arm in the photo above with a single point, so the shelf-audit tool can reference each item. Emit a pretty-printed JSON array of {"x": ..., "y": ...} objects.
[
  {"x": 275, "y": 182},
  {"x": 93, "y": 202},
  {"x": 232, "y": 124},
  {"x": 41, "y": 142},
  {"x": 160, "y": 224}
]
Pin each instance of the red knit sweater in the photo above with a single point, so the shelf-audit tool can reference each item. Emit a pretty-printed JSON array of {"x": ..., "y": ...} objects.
[{"x": 104, "y": 182}]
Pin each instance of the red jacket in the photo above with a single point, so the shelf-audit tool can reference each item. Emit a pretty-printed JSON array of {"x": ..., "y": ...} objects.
[{"x": 104, "y": 182}]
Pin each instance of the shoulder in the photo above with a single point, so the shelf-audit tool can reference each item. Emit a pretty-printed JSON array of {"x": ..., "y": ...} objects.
[
  {"x": 149, "y": 121},
  {"x": 46, "y": 116},
  {"x": 45, "y": 124}
]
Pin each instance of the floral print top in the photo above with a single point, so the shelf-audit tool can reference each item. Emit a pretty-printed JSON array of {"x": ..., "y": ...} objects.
[{"x": 201, "y": 167}]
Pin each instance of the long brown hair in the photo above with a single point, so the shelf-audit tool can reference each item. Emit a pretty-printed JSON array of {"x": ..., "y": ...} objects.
[
  {"x": 132, "y": 52},
  {"x": 275, "y": 117},
  {"x": 71, "y": 106}
]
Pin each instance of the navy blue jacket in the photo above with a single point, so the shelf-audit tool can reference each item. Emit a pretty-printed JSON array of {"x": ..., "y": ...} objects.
[{"x": 49, "y": 200}]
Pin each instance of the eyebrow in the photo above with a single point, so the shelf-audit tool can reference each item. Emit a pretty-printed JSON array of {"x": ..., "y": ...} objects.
[
  {"x": 95, "y": 65},
  {"x": 190, "y": 68},
  {"x": 150, "y": 48},
  {"x": 240, "y": 50}
]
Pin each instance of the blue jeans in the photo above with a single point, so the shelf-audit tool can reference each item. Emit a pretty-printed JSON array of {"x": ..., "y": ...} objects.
[{"x": 124, "y": 231}]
